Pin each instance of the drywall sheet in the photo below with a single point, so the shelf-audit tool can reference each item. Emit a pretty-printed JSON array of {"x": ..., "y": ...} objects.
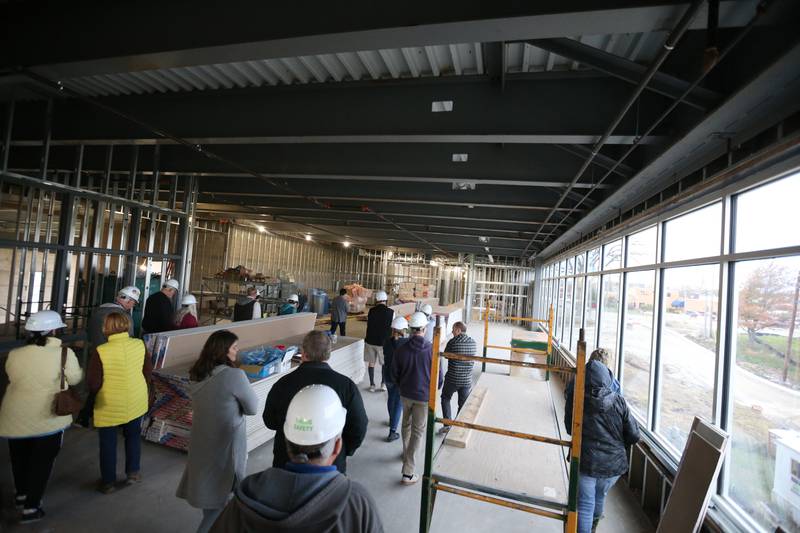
[
  {"x": 174, "y": 348},
  {"x": 403, "y": 309},
  {"x": 697, "y": 473},
  {"x": 508, "y": 463}
]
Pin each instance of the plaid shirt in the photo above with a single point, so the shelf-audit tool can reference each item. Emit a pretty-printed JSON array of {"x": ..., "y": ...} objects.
[{"x": 459, "y": 373}]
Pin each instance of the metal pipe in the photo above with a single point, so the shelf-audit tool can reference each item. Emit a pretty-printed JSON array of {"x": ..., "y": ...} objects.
[
  {"x": 540, "y": 502},
  {"x": 668, "y": 47},
  {"x": 504, "y": 432},
  {"x": 509, "y": 362},
  {"x": 498, "y": 501},
  {"x": 760, "y": 10}
]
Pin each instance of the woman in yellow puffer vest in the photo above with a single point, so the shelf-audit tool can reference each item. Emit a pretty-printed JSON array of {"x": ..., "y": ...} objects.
[
  {"x": 27, "y": 420},
  {"x": 120, "y": 373}
]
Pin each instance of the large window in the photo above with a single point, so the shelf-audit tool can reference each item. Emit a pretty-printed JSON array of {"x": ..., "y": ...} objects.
[
  {"x": 688, "y": 349},
  {"x": 642, "y": 248},
  {"x": 677, "y": 275},
  {"x": 697, "y": 234},
  {"x": 637, "y": 339},
  {"x": 560, "y": 309},
  {"x": 609, "y": 317},
  {"x": 590, "y": 318},
  {"x": 766, "y": 390},
  {"x": 577, "y": 318}
]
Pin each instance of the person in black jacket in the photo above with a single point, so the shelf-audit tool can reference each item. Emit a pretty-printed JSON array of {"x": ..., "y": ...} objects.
[
  {"x": 379, "y": 328},
  {"x": 158, "y": 309},
  {"x": 608, "y": 429},
  {"x": 314, "y": 370}
]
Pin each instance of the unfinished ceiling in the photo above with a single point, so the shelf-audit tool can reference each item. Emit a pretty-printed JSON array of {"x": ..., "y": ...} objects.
[{"x": 481, "y": 129}]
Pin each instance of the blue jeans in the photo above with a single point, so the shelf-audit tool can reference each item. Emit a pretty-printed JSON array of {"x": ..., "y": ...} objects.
[
  {"x": 394, "y": 405},
  {"x": 341, "y": 328},
  {"x": 591, "y": 499},
  {"x": 108, "y": 449}
]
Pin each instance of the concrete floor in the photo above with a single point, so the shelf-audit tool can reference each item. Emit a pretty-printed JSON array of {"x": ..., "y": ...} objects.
[{"x": 72, "y": 505}]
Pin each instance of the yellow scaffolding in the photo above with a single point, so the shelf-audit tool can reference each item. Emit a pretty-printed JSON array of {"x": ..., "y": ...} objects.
[{"x": 433, "y": 482}]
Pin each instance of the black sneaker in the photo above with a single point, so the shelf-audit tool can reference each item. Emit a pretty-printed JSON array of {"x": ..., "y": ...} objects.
[
  {"x": 31, "y": 515},
  {"x": 393, "y": 436}
]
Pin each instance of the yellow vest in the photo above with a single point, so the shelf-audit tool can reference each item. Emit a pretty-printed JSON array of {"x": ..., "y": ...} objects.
[{"x": 123, "y": 395}]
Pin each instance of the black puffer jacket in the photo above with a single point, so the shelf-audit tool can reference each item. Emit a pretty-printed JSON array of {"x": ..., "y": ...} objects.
[{"x": 608, "y": 427}]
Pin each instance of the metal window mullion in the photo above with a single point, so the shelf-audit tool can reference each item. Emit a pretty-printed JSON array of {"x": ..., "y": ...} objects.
[{"x": 655, "y": 338}]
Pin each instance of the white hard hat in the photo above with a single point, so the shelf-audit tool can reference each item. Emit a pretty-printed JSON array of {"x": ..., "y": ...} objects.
[
  {"x": 380, "y": 296},
  {"x": 399, "y": 323},
  {"x": 315, "y": 416},
  {"x": 188, "y": 299},
  {"x": 130, "y": 292},
  {"x": 418, "y": 320},
  {"x": 172, "y": 284},
  {"x": 294, "y": 298},
  {"x": 427, "y": 309},
  {"x": 44, "y": 321}
]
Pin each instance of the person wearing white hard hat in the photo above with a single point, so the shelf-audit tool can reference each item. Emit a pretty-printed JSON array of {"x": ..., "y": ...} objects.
[
  {"x": 306, "y": 493},
  {"x": 34, "y": 432},
  {"x": 411, "y": 367},
  {"x": 393, "y": 402},
  {"x": 126, "y": 300},
  {"x": 247, "y": 307},
  {"x": 379, "y": 326},
  {"x": 428, "y": 310},
  {"x": 290, "y": 307},
  {"x": 186, "y": 317},
  {"x": 158, "y": 310},
  {"x": 313, "y": 370}
]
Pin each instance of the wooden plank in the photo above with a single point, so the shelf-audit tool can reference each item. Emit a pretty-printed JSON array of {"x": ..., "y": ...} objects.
[
  {"x": 511, "y": 464},
  {"x": 458, "y": 436}
]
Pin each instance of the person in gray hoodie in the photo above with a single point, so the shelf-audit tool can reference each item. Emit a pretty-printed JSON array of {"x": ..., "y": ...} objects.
[
  {"x": 221, "y": 397},
  {"x": 308, "y": 494}
]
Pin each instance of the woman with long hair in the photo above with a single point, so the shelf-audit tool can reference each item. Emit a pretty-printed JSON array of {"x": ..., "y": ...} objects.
[
  {"x": 186, "y": 317},
  {"x": 27, "y": 420},
  {"x": 221, "y": 397}
]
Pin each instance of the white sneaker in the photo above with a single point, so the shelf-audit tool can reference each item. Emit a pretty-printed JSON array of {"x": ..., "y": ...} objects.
[
  {"x": 372, "y": 388},
  {"x": 409, "y": 480},
  {"x": 383, "y": 387}
]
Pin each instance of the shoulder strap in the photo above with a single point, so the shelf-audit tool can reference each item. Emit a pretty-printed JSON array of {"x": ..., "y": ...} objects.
[{"x": 63, "y": 365}]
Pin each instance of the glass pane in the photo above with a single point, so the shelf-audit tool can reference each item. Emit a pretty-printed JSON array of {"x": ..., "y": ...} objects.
[
  {"x": 688, "y": 349},
  {"x": 637, "y": 337},
  {"x": 590, "y": 320},
  {"x": 764, "y": 472},
  {"x": 684, "y": 240},
  {"x": 594, "y": 260},
  {"x": 580, "y": 261},
  {"x": 567, "y": 314},
  {"x": 559, "y": 308},
  {"x": 754, "y": 231},
  {"x": 577, "y": 313},
  {"x": 561, "y": 267},
  {"x": 609, "y": 316},
  {"x": 642, "y": 248},
  {"x": 570, "y": 266},
  {"x": 612, "y": 255}
]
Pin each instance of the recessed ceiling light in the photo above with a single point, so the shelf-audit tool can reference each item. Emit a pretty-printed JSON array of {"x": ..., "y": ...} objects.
[
  {"x": 442, "y": 106},
  {"x": 481, "y": 238},
  {"x": 463, "y": 185},
  {"x": 460, "y": 158},
  {"x": 308, "y": 237},
  {"x": 262, "y": 229},
  {"x": 346, "y": 244}
]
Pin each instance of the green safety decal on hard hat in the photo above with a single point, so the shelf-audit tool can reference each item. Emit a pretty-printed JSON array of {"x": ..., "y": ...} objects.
[{"x": 303, "y": 424}]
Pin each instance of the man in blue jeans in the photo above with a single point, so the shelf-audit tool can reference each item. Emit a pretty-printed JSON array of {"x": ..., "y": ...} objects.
[
  {"x": 393, "y": 402},
  {"x": 608, "y": 429}
]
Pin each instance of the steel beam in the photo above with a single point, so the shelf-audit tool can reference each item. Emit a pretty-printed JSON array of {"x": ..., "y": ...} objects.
[
  {"x": 627, "y": 70},
  {"x": 261, "y": 32}
]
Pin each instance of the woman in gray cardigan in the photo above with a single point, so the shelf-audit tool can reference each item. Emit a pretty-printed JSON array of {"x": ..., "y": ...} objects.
[{"x": 221, "y": 397}]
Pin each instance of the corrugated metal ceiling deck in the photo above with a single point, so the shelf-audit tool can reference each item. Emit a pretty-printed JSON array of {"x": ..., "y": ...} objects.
[{"x": 410, "y": 62}]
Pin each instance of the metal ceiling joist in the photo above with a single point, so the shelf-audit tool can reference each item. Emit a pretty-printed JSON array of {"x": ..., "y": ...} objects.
[
  {"x": 600, "y": 160},
  {"x": 286, "y": 31},
  {"x": 627, "y": 70},
  {"x": 355, "y": 139}
]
